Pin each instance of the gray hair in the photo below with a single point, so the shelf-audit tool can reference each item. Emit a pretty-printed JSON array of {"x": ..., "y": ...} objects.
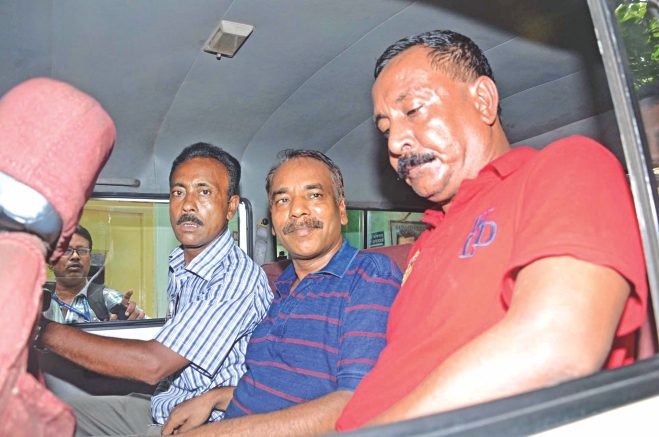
[{"x": 291, "y": 154}]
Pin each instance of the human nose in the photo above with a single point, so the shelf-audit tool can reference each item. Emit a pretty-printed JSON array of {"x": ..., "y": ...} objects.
[
  {"x": 189, "y": 204},
  {"x": 74, "y": 253},
  {"x": 401, "y": 139},
  {"x": 299, "y": 206}
]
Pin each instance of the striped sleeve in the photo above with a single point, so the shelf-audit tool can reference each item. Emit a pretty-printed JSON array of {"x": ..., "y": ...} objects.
[
  {"x": 364, "y": 323},
  {"x": 204, "y": 330}
]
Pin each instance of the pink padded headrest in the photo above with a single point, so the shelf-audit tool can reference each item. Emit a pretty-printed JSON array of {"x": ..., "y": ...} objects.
[{"x": 55, "y": 139}]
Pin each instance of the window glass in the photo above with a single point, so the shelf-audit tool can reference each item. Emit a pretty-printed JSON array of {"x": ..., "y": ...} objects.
[
  {"x": 639, "y": 29},
  {"x": 390, "y": 228},
  {"x": 354, "y": 230},
  {"x": 131, "y": 243}
]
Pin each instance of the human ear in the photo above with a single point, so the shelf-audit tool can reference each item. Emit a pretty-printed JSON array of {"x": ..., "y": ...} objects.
[
  {"x": 342, "y": 212},
  {"x": 486, "y": 98},
  {"x": 233, "y": 206}
]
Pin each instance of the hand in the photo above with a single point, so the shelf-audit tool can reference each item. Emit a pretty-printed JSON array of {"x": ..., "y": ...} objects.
[
  {"x": 190, "y": 414},
  {"x": 131, "y": 308}
]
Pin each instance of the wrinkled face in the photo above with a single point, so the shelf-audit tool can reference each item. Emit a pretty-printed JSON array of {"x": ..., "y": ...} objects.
[
  {"x": 432, "y": 124},
  {"x": 199, "y": 207},
  {"x": 305, "y": 217},
  {"x": 73, "y": 268}
]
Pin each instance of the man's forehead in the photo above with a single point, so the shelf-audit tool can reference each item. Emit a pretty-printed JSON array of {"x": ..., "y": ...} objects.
[
  {"x": 200, "y": 171},
  {"x": 79, "y": 240},
  {"x": 407, "y": 74},
  {"x": 300, "y": 171}
]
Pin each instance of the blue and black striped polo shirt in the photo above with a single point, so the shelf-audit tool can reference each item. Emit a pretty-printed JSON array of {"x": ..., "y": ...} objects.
[{"x": 322, "y": 337}]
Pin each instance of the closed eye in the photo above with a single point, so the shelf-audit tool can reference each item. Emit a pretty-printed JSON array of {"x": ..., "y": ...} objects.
[{"x": 413, "y": 111}]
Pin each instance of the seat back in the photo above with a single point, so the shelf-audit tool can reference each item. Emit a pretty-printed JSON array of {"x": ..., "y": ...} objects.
[{"x": 397, "y": 253}]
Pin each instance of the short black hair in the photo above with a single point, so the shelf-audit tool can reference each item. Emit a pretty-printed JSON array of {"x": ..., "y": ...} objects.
[
  {"x": 84, "y": 233},
  {"x": 291, "y": 154},
  {"x": 207, "y": 150},
  {"x": 450, "y": 52}
]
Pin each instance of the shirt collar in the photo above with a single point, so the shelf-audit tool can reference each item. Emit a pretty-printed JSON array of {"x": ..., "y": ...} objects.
[
  {"x": 214, "y": 253},
  {"x": 509, "y": 162},
  {"x": 498, "y": 169},
  {"x": 82, "y": 292},
  {"x": 340, "y": 261},
  {"x": 433, "y": 216},
  {"x": 337, "y": 266}
]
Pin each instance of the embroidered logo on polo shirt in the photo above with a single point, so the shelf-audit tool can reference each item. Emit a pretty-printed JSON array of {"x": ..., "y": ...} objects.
[
  {"x": 408, "y": 270},
  {"x": 482, "y": 235}
]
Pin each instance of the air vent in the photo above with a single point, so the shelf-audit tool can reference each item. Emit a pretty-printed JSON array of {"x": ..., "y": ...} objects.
[{"x": 227, "y": 38}]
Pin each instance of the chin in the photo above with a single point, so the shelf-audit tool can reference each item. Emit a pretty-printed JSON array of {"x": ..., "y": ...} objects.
[{"x": 303, "y": 254}]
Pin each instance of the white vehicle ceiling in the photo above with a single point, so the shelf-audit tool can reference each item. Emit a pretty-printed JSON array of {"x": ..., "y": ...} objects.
[{"x": 302, "y": 79}]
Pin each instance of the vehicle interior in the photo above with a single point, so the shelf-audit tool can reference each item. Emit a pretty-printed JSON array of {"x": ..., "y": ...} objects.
[{"x": 303, "y": 80}]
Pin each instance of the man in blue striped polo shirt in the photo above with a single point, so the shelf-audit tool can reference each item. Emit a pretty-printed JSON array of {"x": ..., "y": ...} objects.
[
  {"x": 217, "y": 296},
  {"x": 326, "y": 326}
]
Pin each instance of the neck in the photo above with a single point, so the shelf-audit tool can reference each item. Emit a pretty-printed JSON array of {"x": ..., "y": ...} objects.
[
  {"x": 496, "y": 146},
  {"x": 66, "y": 291},
  {"x": 191, "y": 252},
  {"x": 303, "y": 267}
]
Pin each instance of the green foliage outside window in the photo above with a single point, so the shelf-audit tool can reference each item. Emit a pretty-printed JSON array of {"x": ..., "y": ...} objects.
[{"x": 639, "y": 28}]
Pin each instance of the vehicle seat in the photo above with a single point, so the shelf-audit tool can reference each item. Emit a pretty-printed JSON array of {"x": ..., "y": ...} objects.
[{"x": 397, "y": 253}]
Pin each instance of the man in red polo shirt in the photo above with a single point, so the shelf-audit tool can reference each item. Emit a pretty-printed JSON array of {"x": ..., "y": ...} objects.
[{"x": 532, "y": 270}]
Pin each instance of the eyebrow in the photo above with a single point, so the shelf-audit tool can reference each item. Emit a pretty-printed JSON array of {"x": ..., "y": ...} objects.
[
  {"x": 196, "y": 184},
  {"x": 403, "y": 95},
  {"x": 400, "y": 98},
  {"x": 314, "y": 187},
  {"x": 279, "y": 191}
]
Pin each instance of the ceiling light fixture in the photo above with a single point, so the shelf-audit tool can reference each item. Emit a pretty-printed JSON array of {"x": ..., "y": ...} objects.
[{"x": 227, "y": 38}]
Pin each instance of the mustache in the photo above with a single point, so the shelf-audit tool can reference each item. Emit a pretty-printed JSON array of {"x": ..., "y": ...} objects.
[
  {"x": 307, "y": 222},
  {"x": 73, "y": 264},
  {"x": 189, "y": 218},
  {"x": 408, "y": 162}
]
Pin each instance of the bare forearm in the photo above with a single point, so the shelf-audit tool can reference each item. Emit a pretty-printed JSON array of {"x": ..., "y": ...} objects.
[
  {"x": 484, "y": 370},
  {"x": 120, "y": 358},
  {"x": 310, "y": 418},
  {"x": 219, "y": 397},
  {"x": 560, "y": 325}
]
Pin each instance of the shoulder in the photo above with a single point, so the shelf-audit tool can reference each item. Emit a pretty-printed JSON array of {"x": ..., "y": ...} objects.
[
  {"x": 577, "y": 151},
  {"x": 237, "y": 259},
  {"x": 112, "y": 292},
  {"x": 375, "y": 264},
  {"x": 242, "y": 273}
]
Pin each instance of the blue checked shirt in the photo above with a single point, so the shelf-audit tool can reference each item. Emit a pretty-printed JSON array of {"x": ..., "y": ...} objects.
[
  {"x": 215, "y": 303},
  {"x": 110, "y": 297}
]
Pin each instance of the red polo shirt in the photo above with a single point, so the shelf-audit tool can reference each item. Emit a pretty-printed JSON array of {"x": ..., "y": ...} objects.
[{"x": 569, "y": 199}]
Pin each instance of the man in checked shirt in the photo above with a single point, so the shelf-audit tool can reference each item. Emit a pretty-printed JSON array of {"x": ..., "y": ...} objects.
[
  {"x": 217, "y": 295},
  {"x": 76, "y": 299}
]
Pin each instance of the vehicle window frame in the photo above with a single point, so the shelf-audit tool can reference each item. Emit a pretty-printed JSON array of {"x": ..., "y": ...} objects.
[
  {"x": 245, "y": 239},
  {"x": 634, "y": 141}
]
